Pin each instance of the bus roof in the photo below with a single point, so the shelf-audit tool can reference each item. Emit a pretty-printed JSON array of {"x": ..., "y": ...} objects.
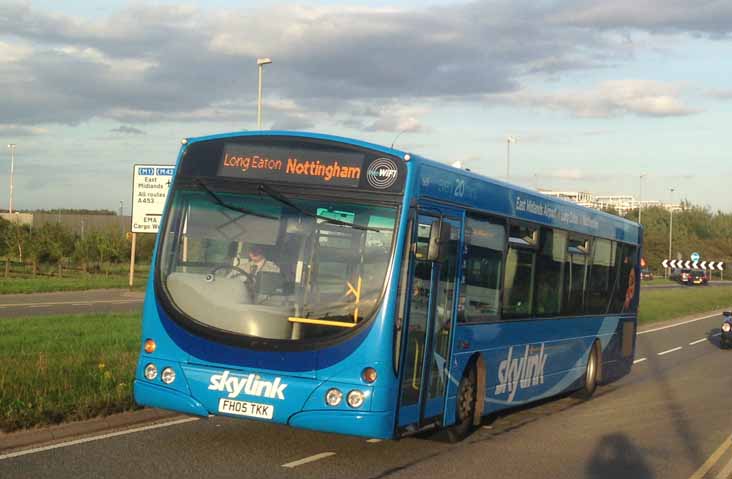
[{"x": 443, "y": 182}]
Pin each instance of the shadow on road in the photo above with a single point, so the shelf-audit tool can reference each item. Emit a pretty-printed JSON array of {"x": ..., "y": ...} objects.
[
  {"x": 616, "y": 456},
  {"x": 713, "y": 337}
]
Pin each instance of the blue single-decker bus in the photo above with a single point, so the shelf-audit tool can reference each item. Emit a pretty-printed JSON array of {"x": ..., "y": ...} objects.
[{"x": 336, "y": 285}]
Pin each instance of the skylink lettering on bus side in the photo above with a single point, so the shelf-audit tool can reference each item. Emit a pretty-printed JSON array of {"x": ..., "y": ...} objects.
[
  {"x": 520, "y": 372},
  {"x": 252, "y": 385}
]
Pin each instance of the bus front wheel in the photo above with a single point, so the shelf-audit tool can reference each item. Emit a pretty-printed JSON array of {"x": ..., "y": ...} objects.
[
  {"x": 465, "y": 407},
  {"x": 589, "y": 384}
]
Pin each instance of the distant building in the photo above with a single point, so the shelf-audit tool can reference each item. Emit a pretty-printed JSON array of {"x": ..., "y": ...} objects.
[
  {"x": 620, "y": 203},
  {"x": 580, "y": 197}
]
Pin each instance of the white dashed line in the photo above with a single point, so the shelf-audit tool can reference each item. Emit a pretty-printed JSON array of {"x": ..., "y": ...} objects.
[
  {"x": 313, "y": 458},
  {"x": 669, "y": 351},
  {"x": 373, "y": 441},
  {"x": 96, "y": 438},
  {"x": 697, "y": 341},
  {"x": 639, "y": 360}
]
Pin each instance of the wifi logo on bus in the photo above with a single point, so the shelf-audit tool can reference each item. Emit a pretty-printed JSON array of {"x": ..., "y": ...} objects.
[{"x": 382, "y": 173}]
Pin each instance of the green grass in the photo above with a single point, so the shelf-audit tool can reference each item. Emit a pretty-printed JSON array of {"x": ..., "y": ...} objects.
[
  {"x": 62, "y": 368},
  {"x": 45, "y": 284},
  {"x": 661, "y": 304}
]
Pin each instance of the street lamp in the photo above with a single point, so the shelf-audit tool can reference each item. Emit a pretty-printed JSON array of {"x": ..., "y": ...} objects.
[
  {"x": 12, "y": 170},
  {"x": 509, "y": 140},
  {"x": 640, "y": 196},
  {"x": 260, "y": 64},
  {"x": 670, "y": 227}
]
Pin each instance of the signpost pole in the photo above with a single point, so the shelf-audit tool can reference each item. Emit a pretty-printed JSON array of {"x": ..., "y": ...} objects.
[{"x": 132, "y": 259}]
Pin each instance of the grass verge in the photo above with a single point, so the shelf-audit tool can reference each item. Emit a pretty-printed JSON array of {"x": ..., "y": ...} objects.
[
  {"x": 41, "y": 284},
  {"x": 62, "y": 368},
  {"x": 663, "y": 304}
]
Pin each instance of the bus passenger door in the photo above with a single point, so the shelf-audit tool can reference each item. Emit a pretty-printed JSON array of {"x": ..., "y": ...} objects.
[{"x": 425, "y": 364}]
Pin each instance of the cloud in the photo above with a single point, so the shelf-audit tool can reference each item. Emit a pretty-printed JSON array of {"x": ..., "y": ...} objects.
[
  {"x": 136, "y": 64},
  {"x": 711, "y": 17},
  {"x": 17, "y": 131},
  {"x": 292, "y": 122},
  {"x": 720, "y": 94},
  {"x": 145, "y": 63},
  {"x": 127, "y": 130},
  {"x": 608, "y": 99}
]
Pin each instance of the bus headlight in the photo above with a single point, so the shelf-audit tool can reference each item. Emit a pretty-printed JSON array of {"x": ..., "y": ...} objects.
[
  {"x": 151, "y": 372},
  {"x": 168, "y": 375},
  {"x": 726, "y": 327},
  {"x": 355, "y": 398},
  {"x": 333, "y": 397}
]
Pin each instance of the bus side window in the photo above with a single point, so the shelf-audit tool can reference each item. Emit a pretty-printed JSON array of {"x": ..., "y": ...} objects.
[
  {"x": 600, "y": 281},
  {"x": 549, "y": 267},
  {"x": 482, "y": 269},
  {"x": 575, "y": 276},
  {"x": 518, "y": 284}
]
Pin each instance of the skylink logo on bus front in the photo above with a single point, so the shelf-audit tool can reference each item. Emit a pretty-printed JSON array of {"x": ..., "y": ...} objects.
[
  {"x": 524, "y": 372},
  {"x": 252, "y": 385}
]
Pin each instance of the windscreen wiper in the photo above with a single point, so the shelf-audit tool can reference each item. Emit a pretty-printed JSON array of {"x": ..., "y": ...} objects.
[
  {"x": 282, "y": 199},
  {"x": 228, "y": 206}
]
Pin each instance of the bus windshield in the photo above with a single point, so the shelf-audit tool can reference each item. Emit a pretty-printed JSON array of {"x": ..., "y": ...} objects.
[{"x": 273, "y": 266}]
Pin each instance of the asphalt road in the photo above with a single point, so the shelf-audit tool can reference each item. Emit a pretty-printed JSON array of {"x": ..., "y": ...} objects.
[
  {"x": 70, "y": 302},
  {"x": 667, "y": 419}
]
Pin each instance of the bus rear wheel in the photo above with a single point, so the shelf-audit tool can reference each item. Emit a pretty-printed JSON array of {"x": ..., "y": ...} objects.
[
  {"x": 465, "y": 407},
  {"x": 589, "y": 384}
]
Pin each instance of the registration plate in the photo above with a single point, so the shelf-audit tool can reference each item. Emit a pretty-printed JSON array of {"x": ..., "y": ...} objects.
[{"x": 246, "y": 408}]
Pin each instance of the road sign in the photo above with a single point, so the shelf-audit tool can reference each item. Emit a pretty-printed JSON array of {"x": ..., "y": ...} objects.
[
  {"x": 695, "y": 257},
  {"x": 688, "y": 264},
  {"x": 150, "y": 184}
]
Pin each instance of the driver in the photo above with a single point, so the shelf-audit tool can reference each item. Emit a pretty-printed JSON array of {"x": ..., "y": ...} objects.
[{"x": 256, "y": 263}]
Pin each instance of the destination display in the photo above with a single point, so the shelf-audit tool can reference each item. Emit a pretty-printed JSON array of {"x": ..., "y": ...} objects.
[{"x": 337, "y": 168}]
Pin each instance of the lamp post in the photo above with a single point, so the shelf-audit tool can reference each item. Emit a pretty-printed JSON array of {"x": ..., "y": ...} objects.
[
  {"x": 260, "y": 64},
  {"x": 12, "y": 171},
  {"x": 670, "y": 227},
  {"x": 509, "y": 140},
  {"x": 640, "y": 196}
]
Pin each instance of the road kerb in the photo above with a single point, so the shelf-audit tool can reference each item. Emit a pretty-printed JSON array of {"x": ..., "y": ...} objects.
[{"x": 712, "y": 460}]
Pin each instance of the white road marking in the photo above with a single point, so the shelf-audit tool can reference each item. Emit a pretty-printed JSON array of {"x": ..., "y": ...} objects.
[
  {"x": 639, "y": 360},
  {"x": 669, "y": 351},
  {"x": 373, "y": 441},
  {"x": 81, "y": 304},
  {"x": 709, "y": 463},
  {"x": 96, "y": 438},
  {"x": 677, "y": 324},
  {"x": 62, "y": 303},
  {"x": 313, "y": 458},
  {"x": 697, "y": 341}
]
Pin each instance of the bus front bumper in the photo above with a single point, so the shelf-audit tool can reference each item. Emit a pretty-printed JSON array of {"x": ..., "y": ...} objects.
[
  {"x": 152, "y": 395},
  {"x": 378, "y": 425}
]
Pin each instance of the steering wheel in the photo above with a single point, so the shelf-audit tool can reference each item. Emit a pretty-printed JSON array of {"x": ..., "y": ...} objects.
[{"x": 211, "y": 276}]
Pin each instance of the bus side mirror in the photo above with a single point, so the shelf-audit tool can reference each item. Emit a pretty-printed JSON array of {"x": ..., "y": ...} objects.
[{"x": 439, "y": 239}]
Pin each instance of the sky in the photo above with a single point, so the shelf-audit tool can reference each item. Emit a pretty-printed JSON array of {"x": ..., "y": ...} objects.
[{"x": 596, "y": 93}]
